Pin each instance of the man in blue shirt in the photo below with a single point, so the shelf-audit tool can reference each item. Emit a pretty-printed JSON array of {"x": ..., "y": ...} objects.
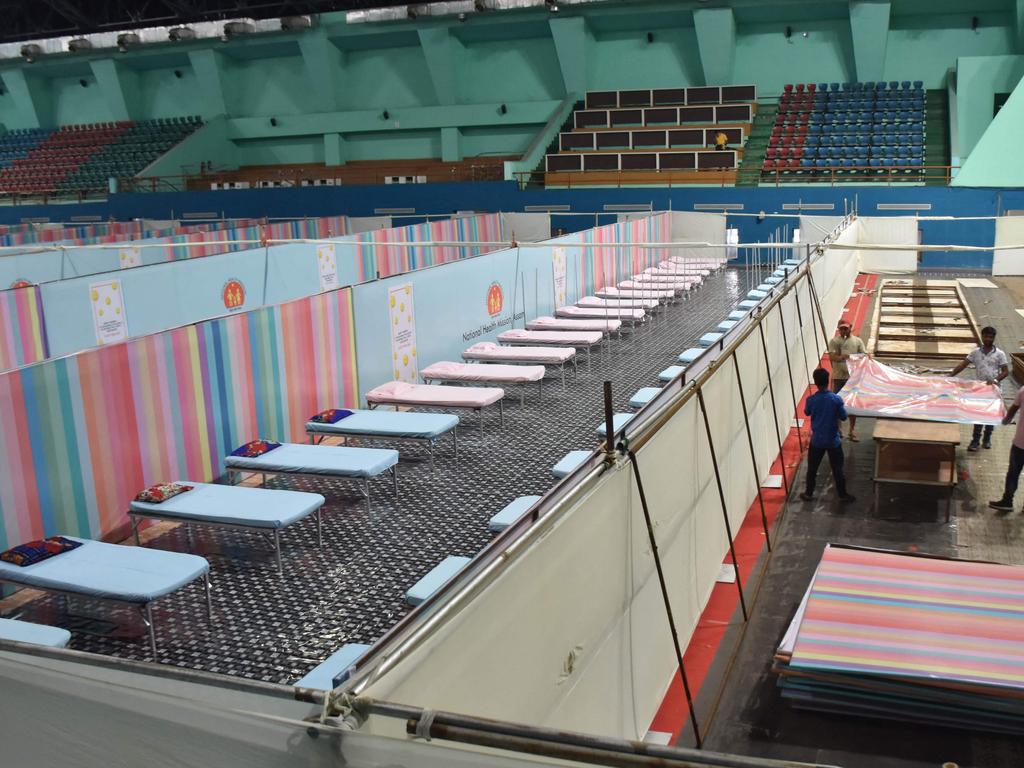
[{"x": 826, "y": 411}]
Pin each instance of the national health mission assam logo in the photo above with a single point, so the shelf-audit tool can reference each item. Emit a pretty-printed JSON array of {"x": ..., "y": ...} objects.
[
  {"x": 495, "y": 299},
  {"x": 233, "y": 294}
]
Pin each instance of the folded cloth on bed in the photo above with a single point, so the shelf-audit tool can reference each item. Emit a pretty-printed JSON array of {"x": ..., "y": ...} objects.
[
  {"x": 389, "y": 424},
  {"x": 319, "y": 460},
  {"x": 236, "y": 505},
  {"x": 597, "y": 301},
  {"x": 255, "y": 448},
  {"x": 488, "y": 350},
  {"x": 566, "y": 338},
  {"x": 112, "y": 571},
  {"x": 547, "y": 323},
  {"x": 160, "y": 492},
  {"x": 403, "y": 393},
  {"x": 33, "y": 552},
  {"x": 514, "y": 374},
  {"x": 331, "y": 416},
  {"x": 623, "y": 313}
]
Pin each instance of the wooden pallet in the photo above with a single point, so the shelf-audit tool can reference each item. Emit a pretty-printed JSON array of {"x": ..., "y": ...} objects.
[{"x": 922, "y": 319}]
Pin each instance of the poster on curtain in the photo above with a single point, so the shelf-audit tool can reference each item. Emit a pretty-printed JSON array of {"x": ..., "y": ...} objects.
[
  {"x": 327, "y": 264},
  {"x": 558, "y": 270},
  {"x": 129, "y": 257},
  {"x": 108, "y": 315},
  {"x": 402, "y": 317}
]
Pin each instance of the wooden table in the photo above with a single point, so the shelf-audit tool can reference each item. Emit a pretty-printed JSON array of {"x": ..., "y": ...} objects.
[{"x": 916, "y": 453}]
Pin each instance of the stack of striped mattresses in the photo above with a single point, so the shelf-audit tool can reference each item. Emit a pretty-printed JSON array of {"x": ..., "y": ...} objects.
[{"x": 909, "y": 637}]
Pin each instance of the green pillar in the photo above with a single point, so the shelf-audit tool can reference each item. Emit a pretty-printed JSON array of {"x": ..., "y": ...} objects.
[
  {"x": 869, "y": 27},
  {"x": 451, "y": 145},
  {"x": 716, "y": 39},
  {"x": 570, "y": 36},
  {"x": 209, "y": 69},
  {"x": 118, "y": 86},
  {"x": 334, "y": 149},
  {"x": 32, "y": 97}
]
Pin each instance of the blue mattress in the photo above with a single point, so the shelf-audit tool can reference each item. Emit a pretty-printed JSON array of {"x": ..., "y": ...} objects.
[
  {"x": 319, "y": 460},
  {"x": 619, "y": 420},
  {"x": 765, "y": 288},
  {"x": 691, "y": 354},
  {"x": 235, "y": 505},
  {"x": 736, "y": 314},
  {"x": 748, "y": 303},
  {"x": 726, "y": 325},
  {"x": 773, "y": 280},
  {"x": 709, "y": 338},
  {"x": 756, "y": 294},
  {"x": 333, "y": 670},
  {"x": 569, "y": 462},
  {"x": 643, "y": 396},
  {"x": 425, "y": 426},
  {"x": 512, "y": 512},
  {"x": 37, "y": 634},
  {"x": 671, "y": 372},
  {"x": 112, "y": 571},
  {"x": 438, "y": 576}
]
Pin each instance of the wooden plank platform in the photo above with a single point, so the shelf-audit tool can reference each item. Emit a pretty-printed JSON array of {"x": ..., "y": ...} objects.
[{"x": 922, "y": 320}]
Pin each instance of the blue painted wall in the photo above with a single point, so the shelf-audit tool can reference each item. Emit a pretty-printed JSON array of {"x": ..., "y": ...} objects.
[{"x": 506, "y": 196}]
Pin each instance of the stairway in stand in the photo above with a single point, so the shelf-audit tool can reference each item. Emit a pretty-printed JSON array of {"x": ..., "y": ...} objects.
[
  {"x": 750, "y": 172},
  {"x": 936, "y": 126}
]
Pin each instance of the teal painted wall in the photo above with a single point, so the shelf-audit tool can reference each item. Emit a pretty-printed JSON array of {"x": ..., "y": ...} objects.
[
  {"x": 496, "y": 58},
  {"x": 994, "y": 161},
  {"x": 978, "y": 79}
]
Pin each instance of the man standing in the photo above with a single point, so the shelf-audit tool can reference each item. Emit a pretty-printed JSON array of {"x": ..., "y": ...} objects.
[
  {"x": 991, "y": 366},
  {"x": 1005, "y": 504},
  {"x": 826, "y": 410},
  {"x": 839, "y": 350}
]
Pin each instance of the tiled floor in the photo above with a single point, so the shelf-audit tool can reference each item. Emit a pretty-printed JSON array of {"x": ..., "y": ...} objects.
[{"x": 276, "y": 629}]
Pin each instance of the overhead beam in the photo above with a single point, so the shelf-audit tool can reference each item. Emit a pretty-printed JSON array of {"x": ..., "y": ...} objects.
[
  {"x": 456, "y": 116},
  {"x": 324, "y": 66},
  {"x": 869, "y": 28},
  {"x": 32, "y": 97},
  {"x": 70, "y": 12},
  {"x": 443, "y": 53},
  {"x": 119, "y": 87},
  {"x": 209, "y": 69},
  {"x": 1019, "y": 25},
  {"x": 570, "y": 35},
  {"x": 716, "y": 40}
]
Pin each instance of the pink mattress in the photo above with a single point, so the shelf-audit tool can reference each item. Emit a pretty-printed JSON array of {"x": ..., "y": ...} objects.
[
  {"x": 670, "y": 287},
  {"x": 591, "y": 312},
  {"x": 512, "y": 374},
  {"x": 488, "y": 350},
  {"x": 690, "y": 264},
  {"x": 677, "y": 282},
  {"x": 558, "y": 338},
  {"x": 640, "y": 292},
  {"x": 678, "y": 271},
  {"x": 547, "y": 323},
  {"x": 402, "y": 393},
  {"x": 596, "y": 301}
]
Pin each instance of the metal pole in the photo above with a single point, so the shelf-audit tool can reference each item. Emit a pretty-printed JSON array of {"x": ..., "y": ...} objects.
[
  {"x": 775, "y": 408},
  {"x": 753, "y": 456},
  {"x": 609, "y": 431},
  {"x": 811, "y": 312},
  {"x": 721, "y": 498},
  {"x": 664, "y": 596},
  {"x": 817, "y": 304},
  {"x": 803, "y": 339},
  {"x": 789, "y": 368}
]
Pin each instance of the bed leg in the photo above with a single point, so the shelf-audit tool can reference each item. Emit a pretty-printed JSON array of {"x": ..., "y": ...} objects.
[
  {"x": 501, "y": 414},
  {"x": 209, "y": 599},
  {"x": 563, "y": 375},
  {"x": 319, "y": 527},
  {"x": 277, "y": 551},
  {"x": 481, "y": 412},
  {"x": 455, "y": 443},
  {"x": 147, "y": 617},
  {"x": 135, "y": 529},
  {"x": 522, "y": 397},
  {"x": 366, "y": 490},
  {"x": 394, "y": 481},
  {"x": 540, "y": 391}
]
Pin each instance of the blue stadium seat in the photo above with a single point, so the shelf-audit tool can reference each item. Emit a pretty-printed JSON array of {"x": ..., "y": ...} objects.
[
  {"x": 833, "y": 87},
  {"x": 918, "y": 85},
  {"x": 905, "y": 85}
]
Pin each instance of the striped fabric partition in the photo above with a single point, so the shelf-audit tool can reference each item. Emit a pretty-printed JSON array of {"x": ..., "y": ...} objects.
[
  {"x": 82, "y": 434},
  {"x": 606, "y": 266},
  {"x": 878, "y": 613},
  {"x": 329, "y": 226},
  {"x": 22, "y": 334},
  {"x": 383, "y": 261}
]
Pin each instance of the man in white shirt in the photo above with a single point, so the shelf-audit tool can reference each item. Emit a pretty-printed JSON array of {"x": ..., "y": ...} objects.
[{"x": 991, "y": 366}]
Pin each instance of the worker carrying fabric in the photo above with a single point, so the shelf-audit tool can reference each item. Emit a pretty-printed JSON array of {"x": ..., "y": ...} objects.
[
  {"x": 991, "y": 365},
  {"x": 839, "y": 350},
  {"x": 721, "y": 141}
]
